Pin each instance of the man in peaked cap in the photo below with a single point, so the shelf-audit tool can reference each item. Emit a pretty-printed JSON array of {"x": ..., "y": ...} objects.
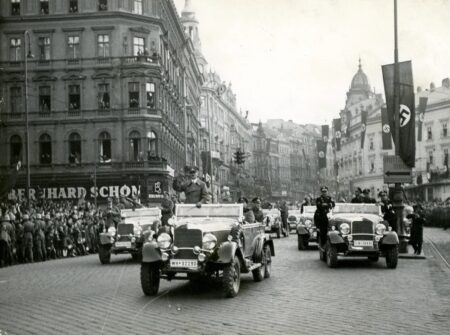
[
  {"x": 195, "y": 189},
  {"x": 366, "y": 197},
  {"x": 257, "y": 211},
  {"x": 358, "y": 199},
  {"x": 324, "y": 205}
]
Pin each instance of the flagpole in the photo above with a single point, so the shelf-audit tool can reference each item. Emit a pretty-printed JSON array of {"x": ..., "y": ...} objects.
[{"x": 397, "y": 197}]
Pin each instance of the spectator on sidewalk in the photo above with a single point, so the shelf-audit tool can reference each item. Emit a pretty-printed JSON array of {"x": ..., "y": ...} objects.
[{"x": 418, "y": 221}]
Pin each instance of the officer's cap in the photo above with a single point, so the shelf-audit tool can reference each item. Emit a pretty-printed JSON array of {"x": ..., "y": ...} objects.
[
  {"x": 5, "y": 218},
  {"x": 242, "y": 200},
  {"x": 257, "y": 199},
  {"x": 193, "y": 169},
  {"x": 47, "y": 217},
  {"x": 26, "y": 217},
  {"x": 366, "y": 191},
  {"x": 359, "y": 190},
  {"x": 323, "y": 189},
  {"x": 38, "y": 216},
  {"x": 382, "y": 193}
]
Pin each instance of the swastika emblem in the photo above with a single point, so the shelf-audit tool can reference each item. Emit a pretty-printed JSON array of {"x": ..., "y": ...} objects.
[
  {"x": 386, "y": 128},
  {"x": 405, "y": 115},
  {"x": 321, "y": 154}
]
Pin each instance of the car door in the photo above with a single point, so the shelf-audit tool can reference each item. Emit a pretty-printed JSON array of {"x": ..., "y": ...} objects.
[{"x": 250, "y": 232}]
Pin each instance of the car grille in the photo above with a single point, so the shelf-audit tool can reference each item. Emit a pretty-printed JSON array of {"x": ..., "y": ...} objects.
[
  {"x": 292, "y": 218},
  {"x": 362, "y": 237},
  {"x": 185, "y": 254},
  {"x": 124, "y": 229},
  {"x": 188, "y": 238},
  {"x": 362, "y": 227}
]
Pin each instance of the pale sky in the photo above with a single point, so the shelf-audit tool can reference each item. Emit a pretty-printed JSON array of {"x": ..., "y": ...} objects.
[{"x": 295, "y": 59}]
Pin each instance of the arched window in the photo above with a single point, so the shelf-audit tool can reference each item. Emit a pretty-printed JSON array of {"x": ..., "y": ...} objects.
[
  {"x": 45, "y": 149},
  {"x": 152, "y": 145},
  {"x": 15, "y": 149},
  {"x": 135, "y": 146},
  {"x": 104, "y": 141},
  {"x": 74, "y": 148}
]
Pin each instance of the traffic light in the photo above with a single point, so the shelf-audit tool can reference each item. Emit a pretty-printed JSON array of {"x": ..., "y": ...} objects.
[{"x": 239, "y": 157}]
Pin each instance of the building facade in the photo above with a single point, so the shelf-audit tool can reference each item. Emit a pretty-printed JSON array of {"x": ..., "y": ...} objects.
[{"x": 113, "y": 96}]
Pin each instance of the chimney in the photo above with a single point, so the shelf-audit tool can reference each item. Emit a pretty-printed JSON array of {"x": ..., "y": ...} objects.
[
  {"x": 419, "y": 89},
  {"x": 446, "y": 82},
  {"x": 432, "y": 87}
]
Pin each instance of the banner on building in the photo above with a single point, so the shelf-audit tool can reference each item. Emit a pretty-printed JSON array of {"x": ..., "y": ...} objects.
[
  {"x": 337, "y": 133},
  {"x": 406, "y": 109},
  {"x": 386, "y": 130},
  {"x": 325, "y": 133},
  {"x": 322, "y": 153},
  {"x": 422, "y": 107},
  {"x": 348, "y": 119},
  {"x": 363, "y": 127}
]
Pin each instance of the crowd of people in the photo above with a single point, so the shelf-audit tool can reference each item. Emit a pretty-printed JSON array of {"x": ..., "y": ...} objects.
[{"x": 45, "y": 229}]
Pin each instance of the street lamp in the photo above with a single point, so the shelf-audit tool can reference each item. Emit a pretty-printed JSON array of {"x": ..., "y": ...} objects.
[{"x": 28, "y": 54}]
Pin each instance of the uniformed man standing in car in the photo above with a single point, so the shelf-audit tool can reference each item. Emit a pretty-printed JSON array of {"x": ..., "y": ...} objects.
[
  {"x": 324, "y": 205},
  {"x": 358, "y": 199},
  {"x": 195, "y": 189},
  {"x": 388, "y": 210}
]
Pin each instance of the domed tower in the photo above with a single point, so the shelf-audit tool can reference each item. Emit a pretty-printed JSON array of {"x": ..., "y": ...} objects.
[
  {"x": 190, "y": 24},
  {"x": 359, "y": 88}
]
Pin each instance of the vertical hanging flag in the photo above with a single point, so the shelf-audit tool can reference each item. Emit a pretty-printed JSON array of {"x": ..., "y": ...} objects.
[
  {"x": 407, "y": 145},
  {"x": 363, "y": 127},
  {"x": 422, "y": 107},
  {"x": 386, "y": 130},
  {"x": 325, "y": 133},
  {"x": 348, "y": 119},
  {"x": 337, "y": 133},
  {"x": 322, "y": 153},
  {"x": 306, "y": 160}
]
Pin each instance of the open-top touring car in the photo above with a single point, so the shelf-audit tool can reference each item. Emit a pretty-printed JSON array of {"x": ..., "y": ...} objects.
[
  {"x": 272, "y": 222},
  {"x": 306, "y": 228},
  {"x": 358, "y": 230},
  {"x": 208, "y": 242}
]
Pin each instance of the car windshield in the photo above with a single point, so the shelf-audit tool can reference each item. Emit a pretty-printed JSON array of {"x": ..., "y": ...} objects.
[
  {"x": 140, "y": 216},
  {"x": 357, "y": 208},
  {"x": 205, "y": 220},
  {"x": 232, "y": 211},
  {"x": 309, "y": 209}
]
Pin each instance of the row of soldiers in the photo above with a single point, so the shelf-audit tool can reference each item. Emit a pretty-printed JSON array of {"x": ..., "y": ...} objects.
[{"x": 37, "y": 237}]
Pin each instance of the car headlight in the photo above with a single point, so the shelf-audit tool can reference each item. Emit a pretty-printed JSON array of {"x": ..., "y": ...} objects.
[
  {"x": 209, "y": 241},
  {"x": 344, "y": 228},
  {"x": 112, "y": 231},
  {"x": 137, "y": 231},
  {"x": 380, "y": 229},
  {"x": 308, "y": 223},
  {"x": 164, "y": 240}
]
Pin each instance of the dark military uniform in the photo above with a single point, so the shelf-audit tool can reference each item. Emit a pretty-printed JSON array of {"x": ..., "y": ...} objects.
[
  {"x": 357, "y": 200},
  {"x": 196, "y": 192},
  {"x": 28, "y": 228},
  {"x": 389, "y": 214},
  {"x": 6, "y": 231},
  {"x": 324, "y": 205}
]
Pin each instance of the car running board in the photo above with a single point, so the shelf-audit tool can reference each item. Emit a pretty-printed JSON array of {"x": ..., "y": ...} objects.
[{"x": 254, "y": 266}]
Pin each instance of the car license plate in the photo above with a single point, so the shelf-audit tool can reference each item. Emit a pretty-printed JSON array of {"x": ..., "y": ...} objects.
[
  {"x": 126, "y": 244},
  {"x": 184, "y": 263},
  {"x": 363, "y": 243}
]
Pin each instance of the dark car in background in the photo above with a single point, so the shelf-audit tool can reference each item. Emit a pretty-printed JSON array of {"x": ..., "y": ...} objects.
[
  {"x": 306, "y": 229},
  {"x": 293, "y": 219}
]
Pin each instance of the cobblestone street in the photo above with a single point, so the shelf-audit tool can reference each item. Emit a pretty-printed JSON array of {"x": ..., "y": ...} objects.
[{"x": 303, "y": 296}]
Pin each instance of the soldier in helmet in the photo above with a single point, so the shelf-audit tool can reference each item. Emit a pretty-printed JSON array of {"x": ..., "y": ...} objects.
[
  {"x": 28, "y": 229},
  {"x": 5, "y": 241},
  {"x": 324, "y": 205},
  {"x": 19, "y": 240},
  {"x": 39, "y": 239}
]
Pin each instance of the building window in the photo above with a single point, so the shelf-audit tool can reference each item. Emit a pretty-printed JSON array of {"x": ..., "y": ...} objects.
[
  {"x": 16, "y": 100},
  {"x": 133, "y": 95},
  {"x": 150, "y": 91},
  {"x": 445, "y": 160},
  {"x": 73, "y": 6},
  {"x": 371, "y": 144},
  {"x": 15, "y": 149},
  {"x": 135, "y": 147},
  {"x": 74, "y": 97},
  {"x": 102, "y": 5},
  {"x": 137, "y": 6},
  {"x": 430, "y": 157},
  {"x": 429, "y": 133},
  {"x": 444, "y": 129},
  {"x": 104, "y": 141},
  {"x": 44, "y": 6},
  {"x": 152, "y": 148},
  {"x": 15, "y": 7},
  {"x": 44, "y": 99},
  {"x": 103, "y": 45},
  {"x": 138, "y": 46},
  {"x": 74, "y": 148},
  {"x": 372, "y": 166},
  {"x": 103, "y": 97},
  {"x": 15, "y": 49},
  {"x": 45, "y": 149},
  {"x": 44, "y": 48},
  {"x": 73, "y": 44}
]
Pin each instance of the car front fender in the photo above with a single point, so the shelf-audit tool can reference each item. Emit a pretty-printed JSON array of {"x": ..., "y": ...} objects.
[
  {"x": 335, "y": 238},
  {"x": 390, "y": 238},
  {"x": 269, "y": 242},
  {"x": 301, "y": 230},
  {"x": 226, "y": 252},
  {"x": 151, "y": 252},
  {"x": 105, "y": 238}
]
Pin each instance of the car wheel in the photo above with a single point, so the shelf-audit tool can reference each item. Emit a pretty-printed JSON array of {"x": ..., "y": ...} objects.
[
  {"x": 150, "y": 278},
  {"x": 322, "y": 254},
  {"x": 258, "y": 273},
  {"x": 268, "y": 260},
  {"x": 232, "y": 278},
  {"x": 392, "y": 257},
  {"x": 331, "y": 251},
  {"x": 301, "y": 242},
  {"x": 104, "y": 254},
  {"x": 374, "y": 258}
]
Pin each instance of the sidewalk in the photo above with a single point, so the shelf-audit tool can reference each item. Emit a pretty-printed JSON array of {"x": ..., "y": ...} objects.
[{"x": 440, "y": 239}]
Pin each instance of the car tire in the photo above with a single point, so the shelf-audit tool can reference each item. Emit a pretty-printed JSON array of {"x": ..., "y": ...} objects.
[
  {"x": 104, "y": 254},
  {"x": 301, "y": 242},
  {"x": 374, "y": 258},
  {"x": 331, "y": 252},
  {"x": 150, "y": 278},
  {"x": 258, "y": 273},
  {"x": 268, "y": 260},
  {"x": 392, "y": 257},
  {"x": 232, "y": 278}
]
